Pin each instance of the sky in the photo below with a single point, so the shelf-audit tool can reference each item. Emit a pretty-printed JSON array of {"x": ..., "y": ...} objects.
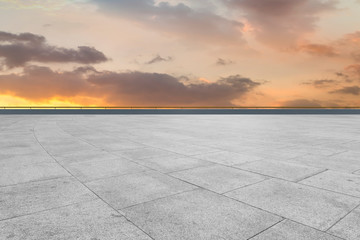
[{"x": 248, "y": 53}]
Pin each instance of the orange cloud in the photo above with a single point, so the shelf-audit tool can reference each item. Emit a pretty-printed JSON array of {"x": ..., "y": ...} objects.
[
  {"x": 43, "y": 85},
  {"x": 318, "y": 50}
]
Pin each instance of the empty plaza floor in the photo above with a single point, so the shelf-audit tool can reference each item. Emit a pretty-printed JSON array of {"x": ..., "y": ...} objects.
[{"x": 179, "y": 177}]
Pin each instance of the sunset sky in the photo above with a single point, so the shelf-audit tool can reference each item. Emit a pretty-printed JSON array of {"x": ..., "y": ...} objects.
[{"x": 303, "y": 53}]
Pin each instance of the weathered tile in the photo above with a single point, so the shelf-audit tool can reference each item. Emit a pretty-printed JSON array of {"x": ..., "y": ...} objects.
[
  {"x": 119, "y": 145},
  {"x": 314, "y": 207},
  {"x": 24, "y": 159},
  {"x": 132, "y": 189},
  {"x": 228, "y": 158},
  {"x": 186, "y": 149},
  {"x": 171, "y": 163},
  {"x": 14, "y": 174},
  {"x": 337, "y": 162},
  {"x": 83, "y": 156},
  {"x": 144, "y": 153},
  {"x": 92, "y": 170},
  {"x": 283, "y": 170},
  {"x": 32, "y": 197},
  {"x": 90, "y": 220},
  {"x": 335, "y": 181},
  {"x": 198, "y": 215},
  {"x": 348, "y": 227},
  {"x": 289, "y": 230},
  {"x": 218, "y": 178}
]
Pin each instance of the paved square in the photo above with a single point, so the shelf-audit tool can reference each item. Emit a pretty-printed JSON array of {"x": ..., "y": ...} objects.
[
  {"x": 162, "y": 177},
  {"x": 199, "y": 215},
  {"x": 217, "y": 178},
  {"x": 314, "y": 207},
  {"x": 289, "y": 230}
]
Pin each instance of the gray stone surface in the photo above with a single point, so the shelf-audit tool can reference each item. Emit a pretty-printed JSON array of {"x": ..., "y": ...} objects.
[
  {"x": 15, "y": 173},
  {"x": 289, "y": 230},
  {"x": 33, "y": 197},
  {"x": 171, "y": 163},
  {"x": 145, "y": 164},
  {"x": 218, "y": 178},
  {"x": 283, "y": 170},
  {"x": 314, "y": 207},
  {"x": 199, "y": 215},
  {"x": 89, "y": 220},
  {"x": 92, "y": 170},
  {"x": 83, "y": 156},
  {"x": 227, "y": 158},
  {"x": 10, "y": 160},
  {"x": 335, "y": 181},
  {"x": 349, "y": 227},
  {"x": 137, "y": 188},
  {"x": 144, "y": 153},
  {"x": 336, "y": 162}
]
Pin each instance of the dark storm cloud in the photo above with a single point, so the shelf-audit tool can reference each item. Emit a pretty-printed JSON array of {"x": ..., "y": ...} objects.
[
  {"x": 158, "y": 59},
  {"x": 302, "y": 103},
  {"x": 176, "y": 20},
  {"x": 353, "y": 90},
  {"x": 127, "y": 88},
  {"x": 280, "y": 23},
  {"x": 19, "y": 49}
]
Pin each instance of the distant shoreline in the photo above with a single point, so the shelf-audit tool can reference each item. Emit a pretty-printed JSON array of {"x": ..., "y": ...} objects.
[{"x": 198, "y": 111}]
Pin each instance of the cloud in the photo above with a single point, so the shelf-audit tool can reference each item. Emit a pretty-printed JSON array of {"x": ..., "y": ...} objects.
[
  {"x": 352, "y": 90},
  {"x": 321, "y": 83},
  {"x": 126, "y": 88},
  {"x": 318, "y": 50},
  {"x": 19, "y": 49},
  {"x": 158, "y": 59},
  {"x": 350, "y": 73},
  {"x": 178, "y": 20},
  {"x": 223, "y": 62},
  {"x": 42, "y": 4},
  {"x": 302, "y": 103},
  {"x": 353, "y": 69},
  {"x": 282, "y": 23}
]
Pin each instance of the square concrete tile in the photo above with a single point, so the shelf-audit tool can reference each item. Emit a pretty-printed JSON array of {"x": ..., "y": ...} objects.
[
  {"x": 349, "y": 227},
  {"x": 92, "y": 170},
  {"x": 59, "y": 149},
  {"x": 218, "y": 178},
  {"x": 32, "y": 197},
  {"x": 199, "y": 215},
  {"x": 314, "y": 207},
  {"x": 83, "y": 156},
  {"x": 289, "y": 230},
  {"x": 132, "y": 189},
  {"x": 335, "y": 181},
  {"x": 171, "y": 163},
  {"x": 186, "y": 149},
  {"x": 118, "y": 145},
  {"x": 14, "y": 174},
  {"x": 17, "y": 148},
  {"x": 228, "y": 158},
  {"x": 8, "y": 160},
  {"x": 89, "y": 221},
  {"x": 283, "y": 170},
  {"x": 144, "y": 153},
  {"x": 337, "y": 162},
  {"x": 279, "y": 154}
]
